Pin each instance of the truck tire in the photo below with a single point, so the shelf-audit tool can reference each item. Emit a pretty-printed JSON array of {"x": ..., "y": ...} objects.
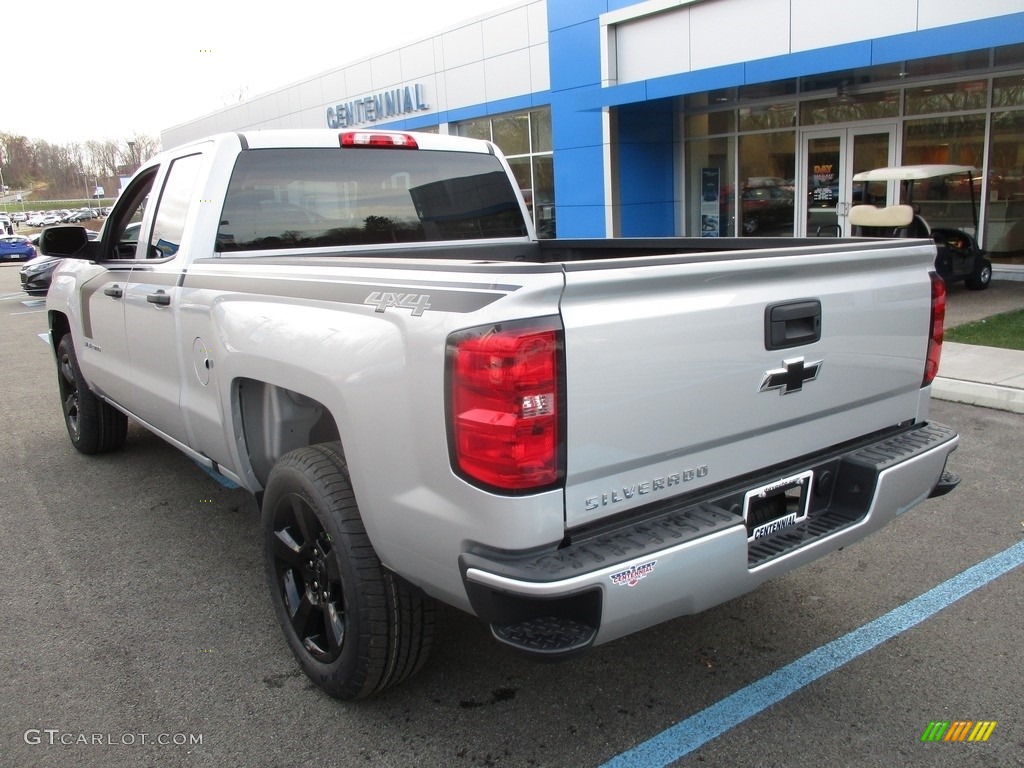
[
  {"x": 93, "y": 425},
  {"x": 981, "y": 278},
  {"x": 354, "y": 627}
]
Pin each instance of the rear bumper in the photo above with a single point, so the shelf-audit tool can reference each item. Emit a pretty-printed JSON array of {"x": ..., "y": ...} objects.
[{"x": 682, "y": 557}]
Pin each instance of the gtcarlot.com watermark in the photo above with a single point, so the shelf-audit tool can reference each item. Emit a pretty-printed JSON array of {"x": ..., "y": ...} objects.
[{"x": 54, "y": 737}]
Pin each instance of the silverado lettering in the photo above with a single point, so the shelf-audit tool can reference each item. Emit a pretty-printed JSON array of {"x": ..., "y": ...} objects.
[{"x": 642, "y": 489}]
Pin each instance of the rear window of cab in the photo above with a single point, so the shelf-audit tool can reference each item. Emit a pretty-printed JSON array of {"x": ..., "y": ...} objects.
[{"x": 313, "y": 197}]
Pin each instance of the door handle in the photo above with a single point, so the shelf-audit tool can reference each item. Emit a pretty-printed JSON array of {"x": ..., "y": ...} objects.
[
  {"x": 792, "y": 324},
  {"x": 160, "y": 297},
  {"x": 113, "y": 292}
]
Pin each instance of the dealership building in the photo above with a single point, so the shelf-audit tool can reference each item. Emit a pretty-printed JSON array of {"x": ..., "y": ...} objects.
[{"x": 704, "y": 117}]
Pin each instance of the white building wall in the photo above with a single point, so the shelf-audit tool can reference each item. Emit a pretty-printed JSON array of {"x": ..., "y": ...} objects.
[
  {"x": 482, "y": 60},
  {"x": 666, "y": 37}
]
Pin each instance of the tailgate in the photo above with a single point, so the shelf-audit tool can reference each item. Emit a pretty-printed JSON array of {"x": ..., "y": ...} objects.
[{"x": 674, "y": 381}]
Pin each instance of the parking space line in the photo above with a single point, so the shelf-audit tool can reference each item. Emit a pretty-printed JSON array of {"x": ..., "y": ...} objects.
[{"x": 697, "y": 730}]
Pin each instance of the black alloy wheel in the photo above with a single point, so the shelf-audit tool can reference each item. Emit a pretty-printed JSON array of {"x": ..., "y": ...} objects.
[
  {"x": 354, "y": 627},
  {"x": 68, "y": 385},
  {"x": 309, "y": 578},
  {"x": 93, "y": 425}
]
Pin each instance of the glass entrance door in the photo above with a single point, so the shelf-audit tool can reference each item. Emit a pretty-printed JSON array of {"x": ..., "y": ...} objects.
[{"x": 830, "y": 158}]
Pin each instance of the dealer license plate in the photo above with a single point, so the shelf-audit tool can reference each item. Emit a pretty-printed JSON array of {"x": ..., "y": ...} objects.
[{"x": 777, "y": 506}]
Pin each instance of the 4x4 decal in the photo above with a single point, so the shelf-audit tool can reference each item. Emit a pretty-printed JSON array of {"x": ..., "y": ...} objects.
[{"x": 417, "y": 302}]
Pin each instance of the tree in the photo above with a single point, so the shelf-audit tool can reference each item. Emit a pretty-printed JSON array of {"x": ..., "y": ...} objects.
[
  {"x": 58, "y": 172},
  {"x": 138, "y": 149},
  {"x": 106, "y": 156}
]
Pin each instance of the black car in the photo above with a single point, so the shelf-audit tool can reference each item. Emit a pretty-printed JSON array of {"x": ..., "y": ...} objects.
[{"x": 37, "y": 273}]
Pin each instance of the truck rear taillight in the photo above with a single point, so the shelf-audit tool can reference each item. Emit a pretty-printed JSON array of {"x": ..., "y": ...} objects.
[
  {"x": 506, "y": 405},
  {"x": 371, "y": 139},
  {"x": 935, "y": 330}
]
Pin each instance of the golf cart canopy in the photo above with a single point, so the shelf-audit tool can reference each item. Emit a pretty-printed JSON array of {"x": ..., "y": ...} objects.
[{"x": 913, "y": 172}]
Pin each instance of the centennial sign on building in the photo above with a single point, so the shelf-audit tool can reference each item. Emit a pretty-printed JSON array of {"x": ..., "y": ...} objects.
[{"x": 385, "y": 105}]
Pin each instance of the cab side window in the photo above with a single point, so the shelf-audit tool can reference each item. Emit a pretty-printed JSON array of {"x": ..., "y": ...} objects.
[
  {"x": 122, "y": 228},
  {"x": 172, "y": 209}
]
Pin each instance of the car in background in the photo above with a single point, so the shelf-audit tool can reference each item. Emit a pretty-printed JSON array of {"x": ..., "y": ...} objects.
[
  {"x": 16, "y": 248},
  {"x": 80, "y": 215},
  {"x": 37, "y": 273},
  {"x": 19, "y": 217},
  {"x": 766, "y": 206}
]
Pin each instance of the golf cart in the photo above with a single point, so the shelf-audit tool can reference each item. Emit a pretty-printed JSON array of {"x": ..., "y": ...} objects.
[{"x": 933, "y": 203}]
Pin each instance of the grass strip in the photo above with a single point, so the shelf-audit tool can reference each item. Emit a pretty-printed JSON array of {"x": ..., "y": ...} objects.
[{"x": 1005, "y": 331}]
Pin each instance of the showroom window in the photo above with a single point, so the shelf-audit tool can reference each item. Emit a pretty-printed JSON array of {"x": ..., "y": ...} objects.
[
  {"x": 525, "y": 140},
  {"x": 766, "y": 159},
  {"x": 741, "y": 143},
  {"x": 1004, "y": 227},
  {"x": 956, "y": 139}
]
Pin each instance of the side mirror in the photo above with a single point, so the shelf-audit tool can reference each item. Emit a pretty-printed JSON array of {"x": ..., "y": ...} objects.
[{"x": 69, "y": 242}]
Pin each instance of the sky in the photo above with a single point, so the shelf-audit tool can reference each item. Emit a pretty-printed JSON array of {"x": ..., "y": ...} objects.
[{"x": 130, "y": 68}]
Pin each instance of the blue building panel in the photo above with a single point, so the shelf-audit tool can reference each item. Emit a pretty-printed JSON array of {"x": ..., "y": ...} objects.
[
  {"x": 804, "y": 63},
  {"x": 647, "y": 220},
  {"x": 575, "y": 56},
  {"x": 597, "y": 98},
  {"x": 646, "y": 169},
  {"x": 650, "y": 123},
  {"x": 580, "y": 221},
  {"x": 571, "y": 127},
  {"x": 568, "y": 13},
  {"x": 967, "y": 36},
  {"x": 694, "y": 82},
  {"x": 579, "y": 178}
]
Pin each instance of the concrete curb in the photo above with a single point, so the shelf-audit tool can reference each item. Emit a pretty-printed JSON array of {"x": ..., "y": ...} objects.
[{"x": 976, "y": 393}]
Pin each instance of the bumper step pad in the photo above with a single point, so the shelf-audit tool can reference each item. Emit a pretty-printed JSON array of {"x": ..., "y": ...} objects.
[{"x": 550, "y": 636}]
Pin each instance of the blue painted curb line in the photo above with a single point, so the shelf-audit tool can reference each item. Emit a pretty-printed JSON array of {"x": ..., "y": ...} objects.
[
  {"x": 229, "y": 484},
  {"x": 696, "y": 731}
]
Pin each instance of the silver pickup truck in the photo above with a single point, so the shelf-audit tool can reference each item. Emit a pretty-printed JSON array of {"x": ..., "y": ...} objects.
[{"x": 572, "y": 440}]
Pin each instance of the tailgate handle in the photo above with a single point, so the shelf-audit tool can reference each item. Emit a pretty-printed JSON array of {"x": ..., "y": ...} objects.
[{"x": 792, "y": 324}]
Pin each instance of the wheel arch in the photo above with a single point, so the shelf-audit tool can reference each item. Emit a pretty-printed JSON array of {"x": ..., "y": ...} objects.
[
  {"x": 275, "y": 420},
  {"x": 60, "y": 326}
]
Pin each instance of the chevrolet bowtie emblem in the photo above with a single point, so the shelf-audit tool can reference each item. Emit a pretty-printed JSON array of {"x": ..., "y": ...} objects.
[{"x": 791, "y": 377}]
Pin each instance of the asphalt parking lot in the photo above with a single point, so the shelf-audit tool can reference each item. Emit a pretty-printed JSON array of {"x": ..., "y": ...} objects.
[{"x": 136, "y": 629}]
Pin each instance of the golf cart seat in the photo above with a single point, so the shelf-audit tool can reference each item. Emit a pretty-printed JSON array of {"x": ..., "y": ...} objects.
[{"x": 892, "y": 221}]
